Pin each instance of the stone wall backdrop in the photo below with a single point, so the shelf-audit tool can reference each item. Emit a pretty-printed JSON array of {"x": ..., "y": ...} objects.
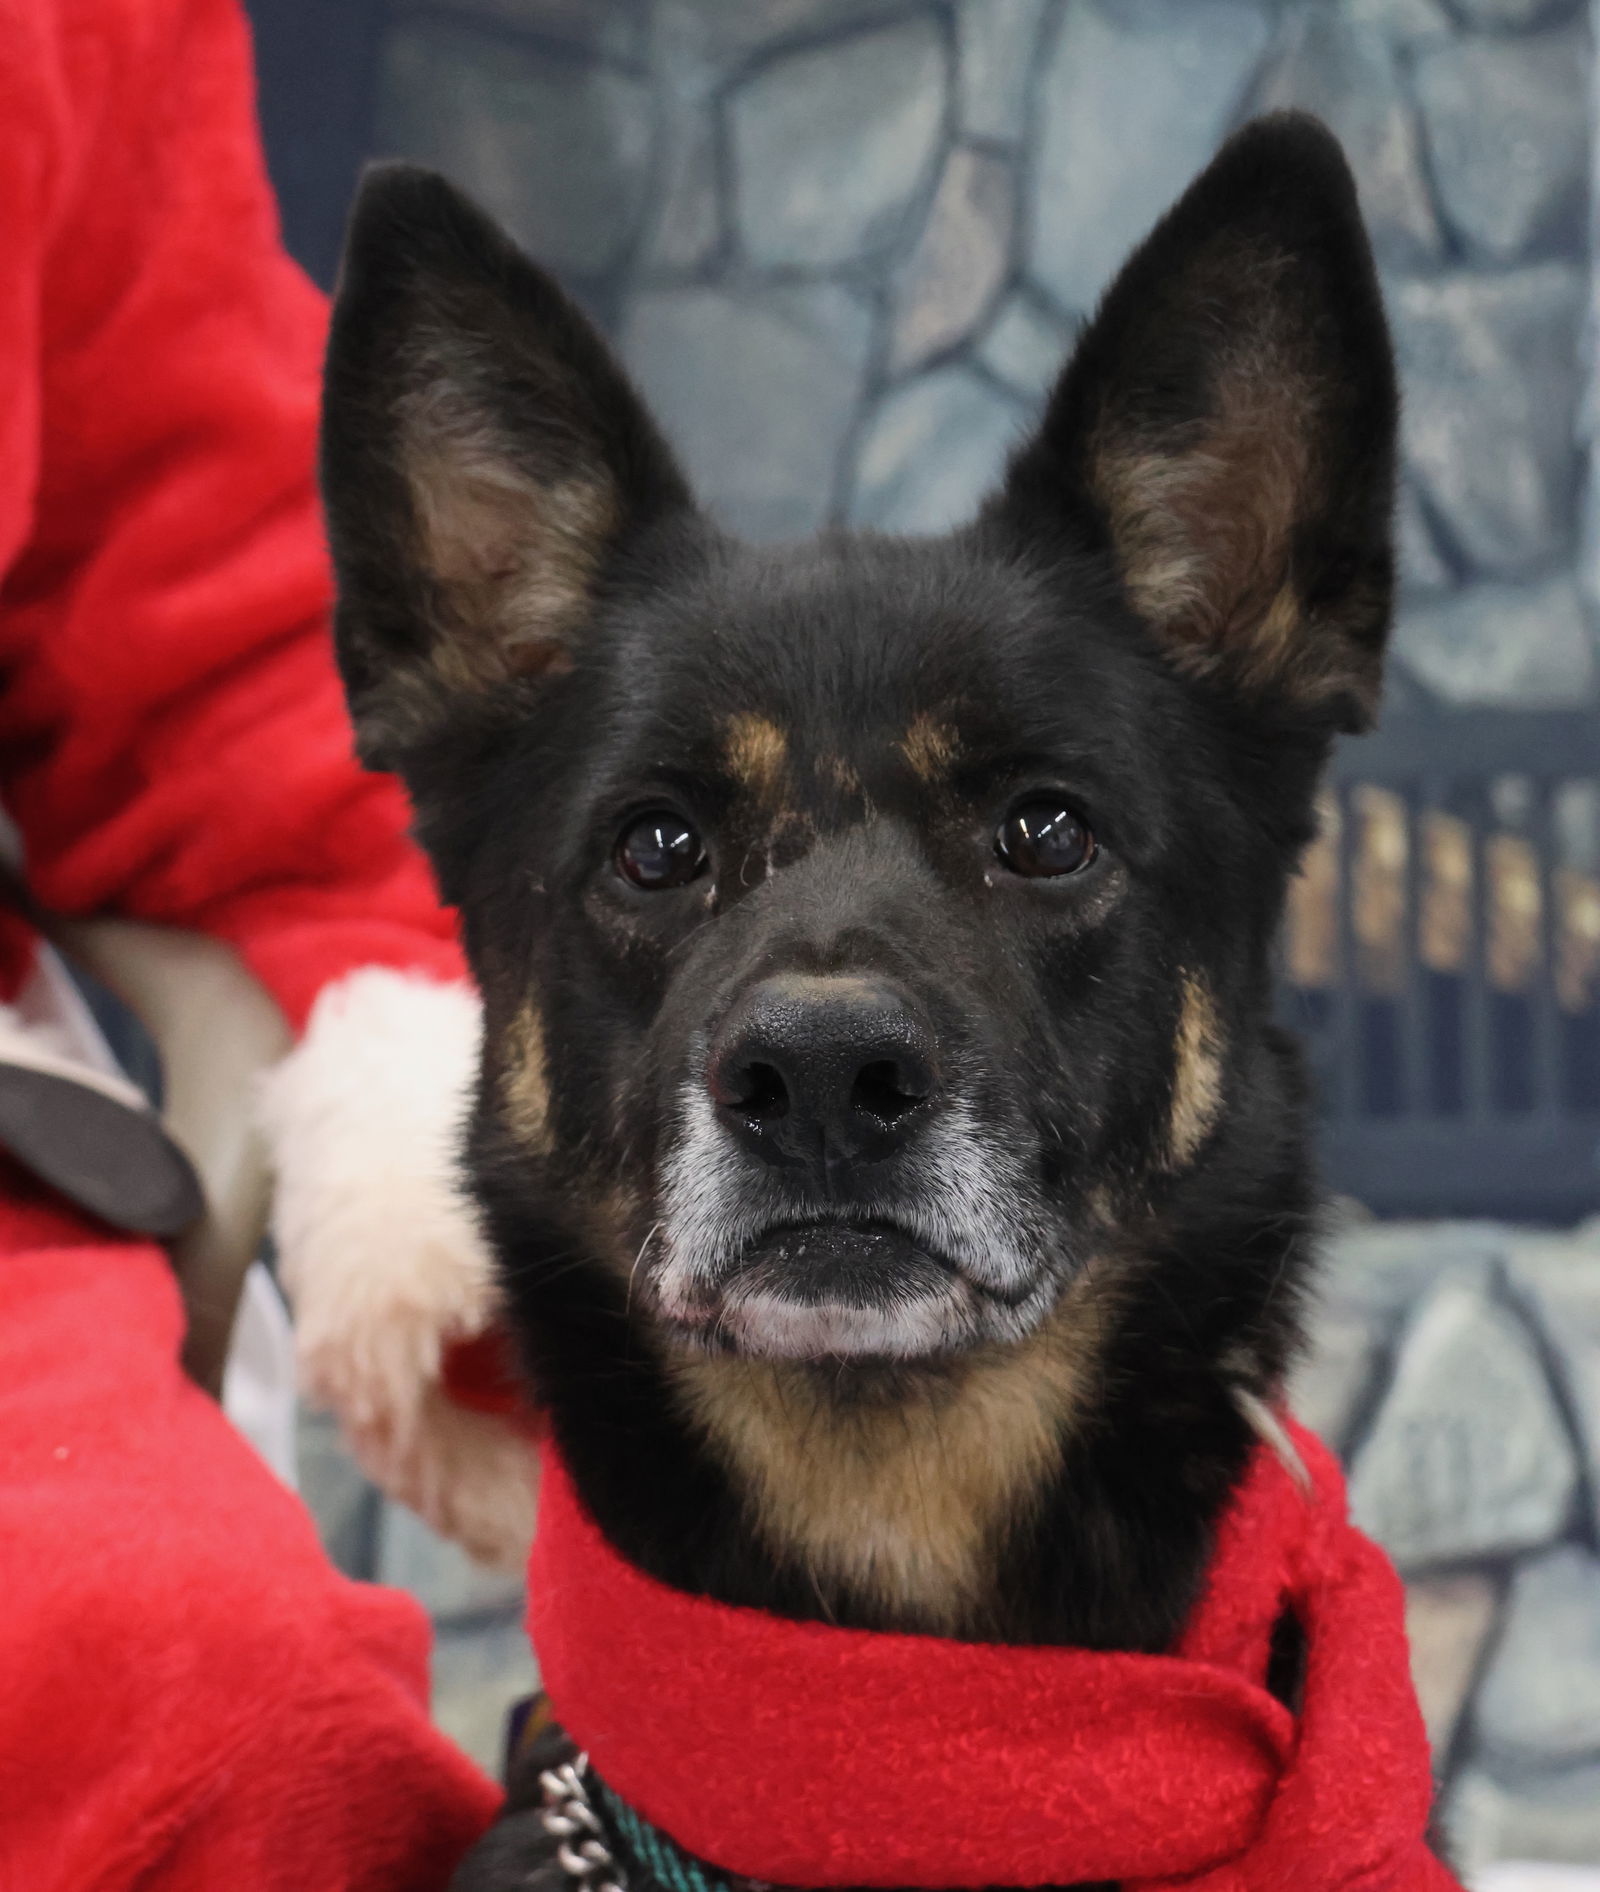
[
  {"x": 1456, "y": 1368},
  {"x": 844, "y": 245}
]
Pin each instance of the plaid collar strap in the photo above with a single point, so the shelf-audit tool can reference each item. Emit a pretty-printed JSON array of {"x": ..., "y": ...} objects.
[{"x": 651, "y": 1861}]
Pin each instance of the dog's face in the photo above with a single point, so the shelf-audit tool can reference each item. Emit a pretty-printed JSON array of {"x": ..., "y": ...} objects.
[
  {"x": 853, "y": 961},
  {"x": 869, "y": 832},
  {"x": 868, "y": 929}
]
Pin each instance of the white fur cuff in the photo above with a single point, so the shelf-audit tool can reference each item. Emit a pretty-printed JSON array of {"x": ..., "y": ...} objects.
[{"x": 380, "y": 1253}]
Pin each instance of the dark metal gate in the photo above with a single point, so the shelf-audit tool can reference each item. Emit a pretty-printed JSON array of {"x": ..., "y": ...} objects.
[{"x": 1442, "y": 958}]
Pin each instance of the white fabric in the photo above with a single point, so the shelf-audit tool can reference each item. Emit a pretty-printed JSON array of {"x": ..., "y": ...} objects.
[
  {"x": 258, "y": 1379},
  {"x": 380, "y": 1253},
  {"x": 378, "y": 1249},
  {"x": 54, "y": 1014}
]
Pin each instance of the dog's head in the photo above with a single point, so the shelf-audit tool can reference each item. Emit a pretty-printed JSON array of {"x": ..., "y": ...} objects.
[{"x": 869, "y": 927}]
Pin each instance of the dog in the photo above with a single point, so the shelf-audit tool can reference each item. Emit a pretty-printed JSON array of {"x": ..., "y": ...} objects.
[{"x": 901, "y": 1190}]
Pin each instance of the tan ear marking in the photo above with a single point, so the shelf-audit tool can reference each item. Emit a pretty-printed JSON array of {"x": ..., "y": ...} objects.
[
  {"x": 514, "y": 561},
  {"x": 512, "y": 558},
  {"x": 1204, "y": 514},
  {"x": 1197, "y": 1074},
  {"x": 1203, "y": 520},
  {"x": 757, "y": 754}
]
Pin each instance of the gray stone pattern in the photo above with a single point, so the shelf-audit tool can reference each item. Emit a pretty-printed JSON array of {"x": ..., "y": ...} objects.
[
  {"x": 844, "y": 244},
  {"x": 1456, "y": 1368}
]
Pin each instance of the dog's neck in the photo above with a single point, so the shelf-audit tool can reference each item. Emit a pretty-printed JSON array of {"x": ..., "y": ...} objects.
[
  {"x": 1061, "y": 1490},
  {"x": 899, "y": 1490}
]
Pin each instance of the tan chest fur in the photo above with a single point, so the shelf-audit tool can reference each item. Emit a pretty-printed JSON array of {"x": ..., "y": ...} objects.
[{"x": 903, "y": 1497}]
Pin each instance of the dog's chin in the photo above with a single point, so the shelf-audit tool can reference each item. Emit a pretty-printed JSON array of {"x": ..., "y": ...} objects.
[{"x": 835, "y": 1291}]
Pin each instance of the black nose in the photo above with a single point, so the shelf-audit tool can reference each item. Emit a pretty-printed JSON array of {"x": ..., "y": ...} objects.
[{"x": 810, "y": 1070}]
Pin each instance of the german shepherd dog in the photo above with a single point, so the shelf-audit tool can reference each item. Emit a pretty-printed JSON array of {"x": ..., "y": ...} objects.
[{"x": 900, "y": 1188}]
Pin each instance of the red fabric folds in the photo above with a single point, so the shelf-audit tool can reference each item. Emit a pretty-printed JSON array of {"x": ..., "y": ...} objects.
[
  {"x": 191, "y": 1696},
  {"x": 174, "y": 745},
  {"x": 812, "y": 1756}
]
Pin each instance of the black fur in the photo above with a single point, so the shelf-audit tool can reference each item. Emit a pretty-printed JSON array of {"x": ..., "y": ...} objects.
[{"x": 1049, "y": 648}]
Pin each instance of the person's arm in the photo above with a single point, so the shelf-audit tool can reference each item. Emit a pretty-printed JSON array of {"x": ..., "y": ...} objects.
[{"x": 173, "y": 739}]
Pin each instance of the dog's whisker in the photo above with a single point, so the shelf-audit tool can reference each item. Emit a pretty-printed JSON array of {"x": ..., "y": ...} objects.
[{"x": 634, "y": 1270}]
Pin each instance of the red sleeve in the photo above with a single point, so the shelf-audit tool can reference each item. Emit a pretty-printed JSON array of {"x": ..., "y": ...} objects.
[{"x": 173, "y": 735}]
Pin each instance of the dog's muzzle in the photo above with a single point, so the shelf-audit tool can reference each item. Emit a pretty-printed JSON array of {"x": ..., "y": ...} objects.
[
  {"x": 827, "y": 1196},
  {"x": 833, "y": 1290}
]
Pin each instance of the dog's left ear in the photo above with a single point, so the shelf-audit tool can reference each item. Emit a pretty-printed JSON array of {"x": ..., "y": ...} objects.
[
  {"x": 1225, "y": 429},
  {"x": 484, "y": 463}
]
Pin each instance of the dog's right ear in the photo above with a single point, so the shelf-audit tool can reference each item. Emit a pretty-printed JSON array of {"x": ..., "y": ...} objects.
[
  {"x": 483, "y": 459},
  {"x": 1225, "y": 431}
]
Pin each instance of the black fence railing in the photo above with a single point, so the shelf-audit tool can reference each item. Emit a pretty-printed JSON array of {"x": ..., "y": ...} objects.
[{"x": 1442, "y": 960}]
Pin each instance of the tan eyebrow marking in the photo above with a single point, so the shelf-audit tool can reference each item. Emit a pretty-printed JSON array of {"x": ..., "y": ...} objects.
[
  {"x": 841, "y": 773},
  {"x": 929, "y": 746},
  {"x": 758, "y": 754}
]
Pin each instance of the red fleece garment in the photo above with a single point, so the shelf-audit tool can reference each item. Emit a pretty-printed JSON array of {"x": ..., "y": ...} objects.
[
  {"x": 173, "y": 738},
  {"x": 812, "y": 1756},
  {"x": 174, "y": 744},
  {"x": 191, "y": 1697}
]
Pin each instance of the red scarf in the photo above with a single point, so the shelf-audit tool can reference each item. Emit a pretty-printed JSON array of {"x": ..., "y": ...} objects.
[{"x": 813, "y": 1756}]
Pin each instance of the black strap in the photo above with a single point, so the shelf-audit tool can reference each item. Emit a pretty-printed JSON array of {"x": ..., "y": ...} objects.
[
  {"x": 110, "y": 1157},
  {"x": 113, "y": 1159}
]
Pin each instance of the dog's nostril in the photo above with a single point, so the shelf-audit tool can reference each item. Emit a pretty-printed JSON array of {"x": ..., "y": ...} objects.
[
  {"x": 755, "y": 1090},
  {"x": 889, "y": 1087}
]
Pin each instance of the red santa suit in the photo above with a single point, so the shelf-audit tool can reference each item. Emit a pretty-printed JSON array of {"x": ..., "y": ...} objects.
[{"x": 189, "y": 1695}]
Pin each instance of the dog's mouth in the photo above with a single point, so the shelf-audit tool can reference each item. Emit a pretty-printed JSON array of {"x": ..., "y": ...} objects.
[{"x": 833, "y": 1290}]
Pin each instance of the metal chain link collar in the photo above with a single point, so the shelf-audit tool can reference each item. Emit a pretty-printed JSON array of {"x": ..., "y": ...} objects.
[{"x": 570, "y": 1818}]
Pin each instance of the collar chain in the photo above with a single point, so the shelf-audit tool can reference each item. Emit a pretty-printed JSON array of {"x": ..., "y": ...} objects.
[
  {"x": 570, "y": 1819},
  {"x": 593, "y": 1826}
]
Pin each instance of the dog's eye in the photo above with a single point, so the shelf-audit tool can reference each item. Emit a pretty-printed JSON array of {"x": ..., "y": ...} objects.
[
  {"x": 660, "y": 850},
  {"x": 1041, "y": 838}
]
